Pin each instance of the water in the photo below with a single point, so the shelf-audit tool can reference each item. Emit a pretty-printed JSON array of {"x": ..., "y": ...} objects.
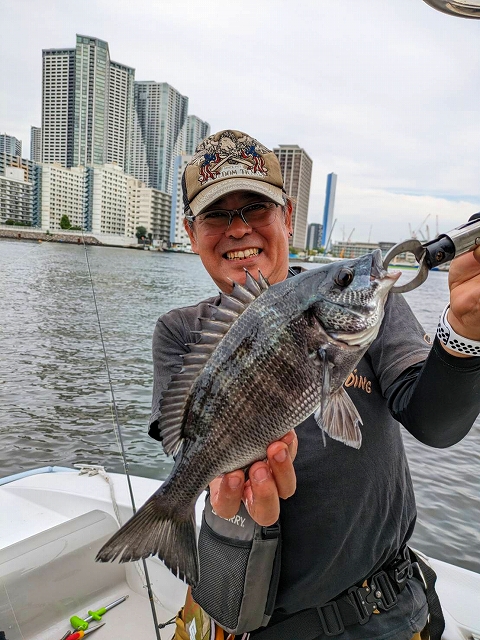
[{"x": 55, "y": 401}]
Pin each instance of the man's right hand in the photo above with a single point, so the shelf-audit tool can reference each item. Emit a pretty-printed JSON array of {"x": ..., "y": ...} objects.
[{"x": 268, "y": 481}]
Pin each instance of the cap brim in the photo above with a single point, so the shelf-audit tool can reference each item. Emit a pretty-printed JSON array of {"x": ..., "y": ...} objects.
[{"x": 216, "y": 191}]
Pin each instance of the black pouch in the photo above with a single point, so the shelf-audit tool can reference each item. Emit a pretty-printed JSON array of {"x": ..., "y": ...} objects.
[{"x": 239, "y": 570}]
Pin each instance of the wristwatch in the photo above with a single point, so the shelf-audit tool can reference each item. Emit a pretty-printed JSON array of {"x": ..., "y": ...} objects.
[{"x": 453, "y": 340}]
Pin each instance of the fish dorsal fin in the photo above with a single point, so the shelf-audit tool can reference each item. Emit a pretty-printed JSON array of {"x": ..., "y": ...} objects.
[{"x": 176, "y": 398}]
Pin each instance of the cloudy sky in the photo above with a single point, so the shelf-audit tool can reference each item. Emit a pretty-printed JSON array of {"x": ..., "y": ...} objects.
[{"x": 385, "y": 93}]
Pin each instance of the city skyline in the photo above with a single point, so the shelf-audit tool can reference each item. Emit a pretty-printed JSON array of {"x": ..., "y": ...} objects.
[
  {"x": 373, "y": 94},
  {"x": 106, "y": 136}
]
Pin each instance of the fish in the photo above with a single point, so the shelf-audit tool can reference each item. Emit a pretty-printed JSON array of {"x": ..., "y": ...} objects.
[{"x": 267, "y": 359}]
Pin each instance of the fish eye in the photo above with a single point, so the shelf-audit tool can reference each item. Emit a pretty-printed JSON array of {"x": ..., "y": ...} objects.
[{"x": 344, "y": 277}]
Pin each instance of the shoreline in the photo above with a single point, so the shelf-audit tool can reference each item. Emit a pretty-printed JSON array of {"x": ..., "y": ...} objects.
[{"x": 32, "y": 234}]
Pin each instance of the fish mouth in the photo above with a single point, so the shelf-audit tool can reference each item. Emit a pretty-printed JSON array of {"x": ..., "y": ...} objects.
[{"x": 242, "y": 254}]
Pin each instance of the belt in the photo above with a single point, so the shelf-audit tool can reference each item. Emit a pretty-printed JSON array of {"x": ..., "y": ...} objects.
[{"x": 354, "y": 606}]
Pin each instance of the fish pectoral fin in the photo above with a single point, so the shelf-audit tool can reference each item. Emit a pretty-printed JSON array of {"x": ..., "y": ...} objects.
[{"x": 340, "y": 419}]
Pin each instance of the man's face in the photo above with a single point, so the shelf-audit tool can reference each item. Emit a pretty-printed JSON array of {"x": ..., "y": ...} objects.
[{"x": 226, "y": 255}]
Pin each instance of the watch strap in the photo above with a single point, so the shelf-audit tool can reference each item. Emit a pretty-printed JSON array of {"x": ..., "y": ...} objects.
[{"x": 453, "y": 340}]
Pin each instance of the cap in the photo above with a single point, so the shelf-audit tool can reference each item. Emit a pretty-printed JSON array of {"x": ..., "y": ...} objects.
[{"x": 230, "y": 161}]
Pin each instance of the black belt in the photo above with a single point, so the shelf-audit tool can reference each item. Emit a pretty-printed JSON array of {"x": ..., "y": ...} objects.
[{"x": 355, "y": 606}]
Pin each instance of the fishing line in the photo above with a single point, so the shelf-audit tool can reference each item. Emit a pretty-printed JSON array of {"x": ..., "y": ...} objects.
[{"x": 116, "y": 424}]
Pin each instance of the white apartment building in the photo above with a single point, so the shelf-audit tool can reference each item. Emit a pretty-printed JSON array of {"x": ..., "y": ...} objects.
[
  {"x": 15, "y": 196},
  {"x": 296, "y": 166},
  {"x": 103, "y": 200},
  {"x": 109, "y": 199},
  {"x": 160, "y": 115},
  {"x": 62, "y": 191},
  {"x": 149, "y": 208}
]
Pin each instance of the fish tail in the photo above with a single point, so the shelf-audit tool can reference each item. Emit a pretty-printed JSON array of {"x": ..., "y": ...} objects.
[{"x": 156, "y": 529}]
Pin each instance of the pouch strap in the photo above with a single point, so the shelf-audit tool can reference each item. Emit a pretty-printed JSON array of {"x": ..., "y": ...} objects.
[{"x": 436, "y": 622}]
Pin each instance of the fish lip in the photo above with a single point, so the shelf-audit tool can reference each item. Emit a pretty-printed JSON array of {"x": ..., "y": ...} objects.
[{"x": 361, "y": 338}]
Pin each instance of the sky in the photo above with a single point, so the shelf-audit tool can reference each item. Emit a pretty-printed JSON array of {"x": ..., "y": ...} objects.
[{"x": 384, "y": 93}]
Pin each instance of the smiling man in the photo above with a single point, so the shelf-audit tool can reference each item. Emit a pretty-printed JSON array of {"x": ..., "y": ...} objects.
[
  {"x": 238, "y": 215},
  {"x": 344, "y": 515}
]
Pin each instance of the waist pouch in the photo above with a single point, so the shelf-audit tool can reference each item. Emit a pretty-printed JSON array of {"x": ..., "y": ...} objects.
[{"x": 239, "y": 570}]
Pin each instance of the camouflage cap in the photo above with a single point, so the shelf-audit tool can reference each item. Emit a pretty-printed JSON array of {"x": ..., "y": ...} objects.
[{"x": 230, "y": 161}]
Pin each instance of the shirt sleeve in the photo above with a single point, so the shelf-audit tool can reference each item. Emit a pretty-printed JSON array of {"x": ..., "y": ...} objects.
[
  {"x": 432, "y": 393},
  {"x": 400, "y": 344},
  {"x": 437, "y": 401}
]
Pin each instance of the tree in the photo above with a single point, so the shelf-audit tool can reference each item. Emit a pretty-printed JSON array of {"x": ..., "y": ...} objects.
[
  {"x": 65, "y": 222},
  {"x": 141, "y": 233}
]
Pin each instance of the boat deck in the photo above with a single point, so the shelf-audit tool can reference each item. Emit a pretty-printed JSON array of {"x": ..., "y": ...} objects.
[{"x": 48, "y": 571}]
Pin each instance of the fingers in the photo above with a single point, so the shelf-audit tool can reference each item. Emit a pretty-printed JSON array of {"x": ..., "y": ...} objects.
[
  {"x": 261, "y": 495},
  {"x": 226, "y": 493},
  {"x": 281, "y": 465},
  {"x": 268, "y": 481}
]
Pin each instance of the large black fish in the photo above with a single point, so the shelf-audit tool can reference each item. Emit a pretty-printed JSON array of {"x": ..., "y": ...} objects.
[{"x": 269, "y": 358}]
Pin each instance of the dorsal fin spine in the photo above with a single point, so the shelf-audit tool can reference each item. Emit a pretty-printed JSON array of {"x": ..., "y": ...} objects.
[{"x": 175, "y": 405}]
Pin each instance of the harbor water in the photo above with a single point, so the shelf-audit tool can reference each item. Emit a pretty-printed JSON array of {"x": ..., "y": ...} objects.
[{"x": 56, "y": 405}]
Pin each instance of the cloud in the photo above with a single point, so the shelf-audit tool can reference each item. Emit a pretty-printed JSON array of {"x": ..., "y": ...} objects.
[
  {"x": 382, "y": 93},
  {"x": 377, "y": 215}
]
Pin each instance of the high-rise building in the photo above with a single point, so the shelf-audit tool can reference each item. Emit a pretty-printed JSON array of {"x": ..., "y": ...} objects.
[
  {"x": 314, "y": 236},
  {"x": 328, "y": 210},
  {"x": 92, "y": 64},
  {"x": 103, "y": 105},
  {"x": 87, "y": 106},
  {"x": 178, "y": 235},
  {"x": 58, "y": 105},
  {"x": 160, "y": 115},
  {"x": 10, "y": 145},
  {"x": 36, "y": 144},
  {"x": 120, "y": 116},
  {"x": 296, "y": 166},
  {"x": 195, "y": 131}
]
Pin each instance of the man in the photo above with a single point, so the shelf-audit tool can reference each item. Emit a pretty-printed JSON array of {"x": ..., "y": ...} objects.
[{"x": 345, "y": 515}]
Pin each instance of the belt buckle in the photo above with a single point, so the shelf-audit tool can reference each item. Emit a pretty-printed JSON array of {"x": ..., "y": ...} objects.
[
  {"x": 382, "y": 591},
  {"x": 340, "y": 628},
  {"x": 361, "y": 598},
  {"x": 378, "y": 594}
]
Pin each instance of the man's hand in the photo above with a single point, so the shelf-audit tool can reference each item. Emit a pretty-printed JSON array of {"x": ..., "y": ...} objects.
[
  {"x": 464, "y": 283},
  {"x": 267, "y": 483}
]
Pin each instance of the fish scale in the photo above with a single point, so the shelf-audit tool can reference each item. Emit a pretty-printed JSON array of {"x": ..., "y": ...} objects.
[{"x": 266, "y": 359}]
